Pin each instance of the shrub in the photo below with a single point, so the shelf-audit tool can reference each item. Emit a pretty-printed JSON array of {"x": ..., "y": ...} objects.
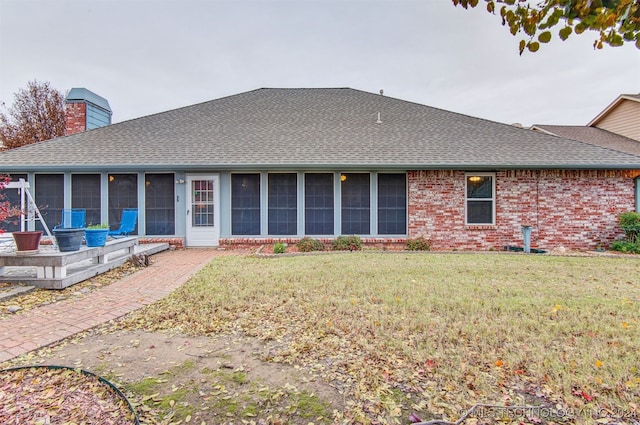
[
  {"x": 347, "y": 243},
  {"x": 626, "y": 246},
  {"x": 308, "y": 245},
  {"x": 630, "y": 223},
  {"x": 418, "y": 244},
  {"x": 279, "y": 248}
]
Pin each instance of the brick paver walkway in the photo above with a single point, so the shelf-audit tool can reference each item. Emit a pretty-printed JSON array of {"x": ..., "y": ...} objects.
[{"x": 48, "y": 324}]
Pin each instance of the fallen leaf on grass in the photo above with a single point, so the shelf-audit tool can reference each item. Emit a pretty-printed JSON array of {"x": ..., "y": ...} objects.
[
  {"x": 583, "y": 394},
  {"x": 75, "y": 397}
]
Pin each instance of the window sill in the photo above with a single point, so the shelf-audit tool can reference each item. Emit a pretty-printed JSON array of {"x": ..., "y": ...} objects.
[{"x": 480, "y": 227}]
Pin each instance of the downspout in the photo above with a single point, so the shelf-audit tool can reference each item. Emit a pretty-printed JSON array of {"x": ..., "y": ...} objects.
[{"x": 638, "y": 194}]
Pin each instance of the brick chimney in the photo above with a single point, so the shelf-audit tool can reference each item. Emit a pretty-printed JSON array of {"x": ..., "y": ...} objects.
[{"x": 85, "y": 110}]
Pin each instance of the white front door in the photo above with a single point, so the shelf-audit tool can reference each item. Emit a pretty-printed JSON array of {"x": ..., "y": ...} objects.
[{"x": 203, "y": 210}]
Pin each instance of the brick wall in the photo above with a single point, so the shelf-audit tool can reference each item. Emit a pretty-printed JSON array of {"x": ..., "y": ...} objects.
[
  {"x": 178, "y": 242},
  {"x": 570, "y": 209},
  {"x": 393, "y": 244},
  {"x": 76, "y": 116}
]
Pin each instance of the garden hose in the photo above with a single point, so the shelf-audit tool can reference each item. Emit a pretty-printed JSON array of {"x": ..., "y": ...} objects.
[{"x": 102, "y": 380}]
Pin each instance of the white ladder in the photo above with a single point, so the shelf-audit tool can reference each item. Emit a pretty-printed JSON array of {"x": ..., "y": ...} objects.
[{"x": 31, "y": 212}]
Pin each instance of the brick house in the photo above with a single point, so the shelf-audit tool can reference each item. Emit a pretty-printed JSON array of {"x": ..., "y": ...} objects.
[{"x": 279, "y": 164}]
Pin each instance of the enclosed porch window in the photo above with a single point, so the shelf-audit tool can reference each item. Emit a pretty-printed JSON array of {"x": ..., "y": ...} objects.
[
  {"x": 160, "y": 210},
  {"x": 283, "y": 204},
  {"x": 245, "y": 204},
  {"x": 12, "y": 196},
  {"x": 85, "y": 193},
  {"x": 392, "y": 204},
  {"x": 356, "y": 203},
  {"x": 318, "y": 204},
  {"x": 123, "y": 193},
  {"x": 49, "y": 198}
]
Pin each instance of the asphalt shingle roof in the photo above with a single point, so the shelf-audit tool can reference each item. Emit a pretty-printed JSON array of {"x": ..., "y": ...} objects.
[
  {"x": 311, "y": 129},
  {"x": 595, "y": 136}
]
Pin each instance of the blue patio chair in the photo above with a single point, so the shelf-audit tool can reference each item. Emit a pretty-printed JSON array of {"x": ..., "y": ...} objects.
[
  {"x": 73, "y": 218},
  {"x": 128, "y": 222}
]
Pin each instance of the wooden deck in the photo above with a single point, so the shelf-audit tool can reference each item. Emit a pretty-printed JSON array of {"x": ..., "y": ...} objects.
[{"x": 52, "y": 269}]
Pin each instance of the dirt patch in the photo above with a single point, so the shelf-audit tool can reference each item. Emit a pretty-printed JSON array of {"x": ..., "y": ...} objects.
[
  {"x": 174, "y": 377},
  {"x": 134, "y": 355}
]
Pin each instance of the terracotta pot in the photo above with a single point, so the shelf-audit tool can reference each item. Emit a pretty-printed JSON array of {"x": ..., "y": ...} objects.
[{"x": 27, "y": 242}]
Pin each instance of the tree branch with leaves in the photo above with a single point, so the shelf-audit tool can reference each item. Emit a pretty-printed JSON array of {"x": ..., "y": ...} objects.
[
  {"x": 616, "y": 21},
  {"x": 37, "y": 114}
]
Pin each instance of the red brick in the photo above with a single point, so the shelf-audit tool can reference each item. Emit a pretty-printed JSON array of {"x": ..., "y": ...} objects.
[
  {"x": 575, "y": 209},
  {"x": 76, "y": 118}
]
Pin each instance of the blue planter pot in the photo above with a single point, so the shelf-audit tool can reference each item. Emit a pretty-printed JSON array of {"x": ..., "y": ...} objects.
[
  {"x": 96, "y": 237},
  {"x": 69, "y": 239}
]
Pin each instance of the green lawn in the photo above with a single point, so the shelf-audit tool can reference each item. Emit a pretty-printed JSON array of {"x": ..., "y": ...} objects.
[{"x": 432, "y": 333}]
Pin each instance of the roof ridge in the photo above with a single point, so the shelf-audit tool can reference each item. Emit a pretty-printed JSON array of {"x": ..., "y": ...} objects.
[{"x": 304, "y": 88}]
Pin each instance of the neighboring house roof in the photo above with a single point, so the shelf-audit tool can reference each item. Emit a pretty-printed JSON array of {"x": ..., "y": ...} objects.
[
  {"x": 613, "y": 105},
  {"x": 593, "y": 135},
  {"x": 310, "y": 129}
]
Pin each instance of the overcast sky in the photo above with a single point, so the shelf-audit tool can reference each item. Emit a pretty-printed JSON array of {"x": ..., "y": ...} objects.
[{"x": 149, "y": 56}]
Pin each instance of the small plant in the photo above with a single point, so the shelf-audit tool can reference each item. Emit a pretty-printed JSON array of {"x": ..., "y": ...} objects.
[
  {"x": 309, "y": 245},
  {"x": 418, "y": 244},
  {"x": 98, "y": 226},
  {"x": 279, "y": 248},
  {"x": 347, "y": 243}
]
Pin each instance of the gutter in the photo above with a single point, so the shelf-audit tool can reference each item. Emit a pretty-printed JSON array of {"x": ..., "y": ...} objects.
[{"x": 114, "y": 168}]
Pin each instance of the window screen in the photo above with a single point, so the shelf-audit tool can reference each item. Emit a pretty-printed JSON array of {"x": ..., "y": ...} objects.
[
  {"x": 318, "y": 204},
  {"x": 245, "y": 204},
  {"x": 49, "y": 198},
  {"x": 123, "y": 193},
  {"x": 85, "y": 193},
  {"x": 12, "y": 196},
  {"x": 160, "y": 210},
  {"x": 356, "y": 201},
  {"x": 392, "y": 204},
  {"x": 283, "y": 204}
]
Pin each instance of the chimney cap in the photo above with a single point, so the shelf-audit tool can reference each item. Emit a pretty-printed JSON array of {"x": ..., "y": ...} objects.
[{"x": 79, "y": 94}]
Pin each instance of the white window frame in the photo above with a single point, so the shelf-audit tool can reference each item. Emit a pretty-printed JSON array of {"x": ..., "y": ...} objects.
[{"x": 492, "y": 198}]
